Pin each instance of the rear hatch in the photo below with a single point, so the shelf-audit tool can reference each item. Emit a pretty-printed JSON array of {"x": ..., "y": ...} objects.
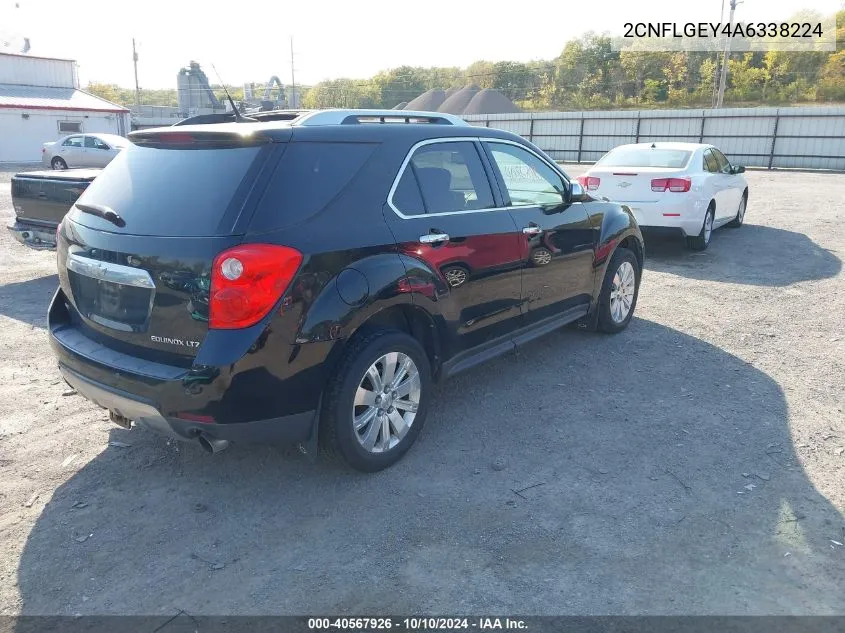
[{"x": 136, "y": 250}]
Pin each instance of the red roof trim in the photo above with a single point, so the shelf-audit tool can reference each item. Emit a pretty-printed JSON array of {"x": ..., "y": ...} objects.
[{"x": 43, "y": 107}]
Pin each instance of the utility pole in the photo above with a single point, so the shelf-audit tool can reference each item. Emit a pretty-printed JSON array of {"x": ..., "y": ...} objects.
[
  {"x": 716, "y": 66},
  {"x": 293, "y": 103},
  {"x": 724, "y": 75},
  {"x": 137, "y": 89}
]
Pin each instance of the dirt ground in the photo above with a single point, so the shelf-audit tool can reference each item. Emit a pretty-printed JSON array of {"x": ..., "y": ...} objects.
[{"x": 694, "y": 464}]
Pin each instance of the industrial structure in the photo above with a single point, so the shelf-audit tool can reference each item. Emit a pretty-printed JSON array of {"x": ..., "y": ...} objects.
[
  {"x": 193, "y": 92},
  {"x": 40, "y": 101},
  {"x": 196, "y": 98}
]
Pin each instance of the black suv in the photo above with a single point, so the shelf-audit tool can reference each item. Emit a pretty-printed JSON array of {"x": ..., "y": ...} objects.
[{"x": 289, "y": 281}]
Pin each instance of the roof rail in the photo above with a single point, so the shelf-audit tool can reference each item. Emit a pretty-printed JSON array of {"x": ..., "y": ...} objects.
[{"x": 352, "y": 117}]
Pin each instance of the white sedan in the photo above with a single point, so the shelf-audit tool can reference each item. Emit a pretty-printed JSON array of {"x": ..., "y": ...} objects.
[
  {"x": 687, "y": 189},
  {"x": 82, "y": 150}
]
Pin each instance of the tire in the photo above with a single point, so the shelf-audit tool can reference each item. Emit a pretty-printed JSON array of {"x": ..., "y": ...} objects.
[
  {"x": 58, "y": 163},
  {"x": 623, "y": 263},
  {"x": 701, "y": 241},
  {"x": 740, "y": 212},
  {"x": 338, "y": 435}
]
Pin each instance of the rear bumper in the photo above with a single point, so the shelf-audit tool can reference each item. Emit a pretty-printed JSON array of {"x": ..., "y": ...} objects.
[
  {"x": 293, "y": 428},
  {"x": 184, "y": 402},
  {"x": 35, "y": 236},
  {"x": 684, "y": 215}
]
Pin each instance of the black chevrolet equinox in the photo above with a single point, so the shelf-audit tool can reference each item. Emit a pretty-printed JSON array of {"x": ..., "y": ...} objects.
[{"x": 309, "y": 280}]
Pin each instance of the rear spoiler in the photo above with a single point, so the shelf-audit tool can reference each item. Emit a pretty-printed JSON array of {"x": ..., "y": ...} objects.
[
  {"x": 205, "y": 119},
  {"x": 229, "y": 117},
  {"x": 192, "y": 138}
]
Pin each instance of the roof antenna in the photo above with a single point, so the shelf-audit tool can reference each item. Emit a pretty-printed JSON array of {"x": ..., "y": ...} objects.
[{"x": 239, "y": 118}]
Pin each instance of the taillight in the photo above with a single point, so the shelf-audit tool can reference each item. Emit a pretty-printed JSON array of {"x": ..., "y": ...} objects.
[
  {"x": 679, "y": 185},
  {"x": 247, "y": 281},
  {"x": 58, "y": 232},
  {"x": 590, "y": 183}
]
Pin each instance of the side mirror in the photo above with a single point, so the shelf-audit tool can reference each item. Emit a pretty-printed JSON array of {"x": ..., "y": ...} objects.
[
  {"x": 576, "y": 191},
  {"x": 738, "y": 169}
]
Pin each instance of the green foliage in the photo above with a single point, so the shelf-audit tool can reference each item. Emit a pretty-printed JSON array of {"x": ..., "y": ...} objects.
[
  {"x": 126, "y": 96},
  {"x": 586, "y": 75}
]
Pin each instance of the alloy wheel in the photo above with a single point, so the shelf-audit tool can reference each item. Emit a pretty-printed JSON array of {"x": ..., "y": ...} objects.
[
  {"x": 708, "y": 227},
  {"x": 622, "y": 292},
  {"x": 386, "y": 402}
]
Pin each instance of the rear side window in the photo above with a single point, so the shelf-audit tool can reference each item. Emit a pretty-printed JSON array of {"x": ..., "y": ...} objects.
[
  {"x": 407, "y": 197},
  {"x": 308, "y": 177},
  {"x": 172, "y": 192},
  {"x": 448, "y": 176},
  {"x": 722, "y": 162},
  {"x": 710, "y": 163},
  {"x": 645, "y": 157}
]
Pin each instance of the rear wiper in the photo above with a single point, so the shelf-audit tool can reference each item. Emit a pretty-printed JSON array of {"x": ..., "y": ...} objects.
[{"x": 102, "y": 211}]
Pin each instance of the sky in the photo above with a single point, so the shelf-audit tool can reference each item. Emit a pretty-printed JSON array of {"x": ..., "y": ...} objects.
[{"x": 331, "y": 39}]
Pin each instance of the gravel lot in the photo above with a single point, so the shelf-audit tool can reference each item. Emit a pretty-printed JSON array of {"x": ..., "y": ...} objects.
[{"x": 692, "y": 464}]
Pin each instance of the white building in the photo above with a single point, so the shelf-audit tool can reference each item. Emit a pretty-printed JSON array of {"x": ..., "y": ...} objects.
[{"x": 40, "y": 101}]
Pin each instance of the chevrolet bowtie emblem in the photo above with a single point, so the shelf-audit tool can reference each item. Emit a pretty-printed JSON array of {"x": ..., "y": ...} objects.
[{"x": 623, "y": 184}]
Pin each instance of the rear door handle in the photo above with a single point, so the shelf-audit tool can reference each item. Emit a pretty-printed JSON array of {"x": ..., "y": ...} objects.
[
  {"x": 434, "y": 238},
  {"x": 532, "y": 230}
]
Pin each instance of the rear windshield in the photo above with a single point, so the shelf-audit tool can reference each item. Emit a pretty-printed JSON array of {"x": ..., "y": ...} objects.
[
  {"x": 172, "y": 192},
  {"x": 645, "y": 157}
]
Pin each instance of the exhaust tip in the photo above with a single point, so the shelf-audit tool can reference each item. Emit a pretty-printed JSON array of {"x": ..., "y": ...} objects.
[{"x": 212, "y": 445}]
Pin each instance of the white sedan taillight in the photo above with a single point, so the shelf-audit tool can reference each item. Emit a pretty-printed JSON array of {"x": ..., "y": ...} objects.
[
  {"x": 590, "y": 183},
  {"x": 679, "y": 185}
]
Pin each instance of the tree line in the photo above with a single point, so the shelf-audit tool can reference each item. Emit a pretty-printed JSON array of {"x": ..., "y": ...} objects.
[{"x": 587, "y": 75}]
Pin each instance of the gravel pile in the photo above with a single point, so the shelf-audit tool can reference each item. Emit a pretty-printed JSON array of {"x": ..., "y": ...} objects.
[{"x": 428, "y": 101}]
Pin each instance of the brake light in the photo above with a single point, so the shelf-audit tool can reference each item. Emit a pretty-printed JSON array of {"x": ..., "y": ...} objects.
[
  {"x": 590, "y": 183},
  {"x": 175, "y": 138},
  {"x": 678, "y": 185},
  {"x": 247, "y": 281}
]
